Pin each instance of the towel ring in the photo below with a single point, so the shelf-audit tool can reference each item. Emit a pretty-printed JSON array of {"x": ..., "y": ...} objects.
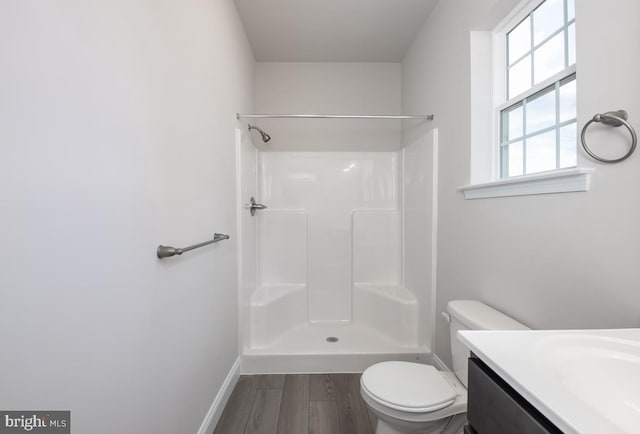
[{"x": 614, "y": 119}]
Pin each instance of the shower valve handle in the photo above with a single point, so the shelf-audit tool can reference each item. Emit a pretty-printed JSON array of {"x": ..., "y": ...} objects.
[{"x": 253, "y": 206}]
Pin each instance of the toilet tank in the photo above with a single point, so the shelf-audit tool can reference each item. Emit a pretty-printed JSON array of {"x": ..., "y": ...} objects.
[{"x": 473, "y": 315}]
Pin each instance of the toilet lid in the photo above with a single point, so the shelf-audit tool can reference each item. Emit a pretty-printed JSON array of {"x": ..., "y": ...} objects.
[{"x": 407, "y": 386}]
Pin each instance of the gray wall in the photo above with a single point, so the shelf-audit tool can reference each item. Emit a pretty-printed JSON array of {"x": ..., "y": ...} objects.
[
  {"x": 551, "y": 261},
  {"x": 328, "y": 88},
  {"x": 117, "y": 126}
]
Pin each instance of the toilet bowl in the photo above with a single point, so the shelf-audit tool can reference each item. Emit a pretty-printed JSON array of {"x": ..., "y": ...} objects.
[{"x": 414, "y": 398}]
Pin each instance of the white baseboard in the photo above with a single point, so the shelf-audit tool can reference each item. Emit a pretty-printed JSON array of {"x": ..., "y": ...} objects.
[
  {"x": 439, "y": 364},
  {"x": 215, "y": 411}
]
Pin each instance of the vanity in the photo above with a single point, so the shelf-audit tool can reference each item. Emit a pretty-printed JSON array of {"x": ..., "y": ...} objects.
[
  {"x": 495, "y": 407},
  {"x": 546, "y": 381}
]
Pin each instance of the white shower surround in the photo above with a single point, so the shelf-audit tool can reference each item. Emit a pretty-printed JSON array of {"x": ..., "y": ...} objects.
[{"x": 329, "y": 257}]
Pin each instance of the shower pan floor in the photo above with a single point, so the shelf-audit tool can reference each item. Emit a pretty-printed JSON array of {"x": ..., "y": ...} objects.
[
  {"x": 352, "y": 338},
  {"x": 313, "y": 348}
]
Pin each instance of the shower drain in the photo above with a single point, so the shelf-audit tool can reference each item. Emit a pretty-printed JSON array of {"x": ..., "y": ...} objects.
[{"x": 332, "y": 339}]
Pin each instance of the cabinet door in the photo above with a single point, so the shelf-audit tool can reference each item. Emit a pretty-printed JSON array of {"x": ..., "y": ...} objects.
[{"x": 495, "y": 408}]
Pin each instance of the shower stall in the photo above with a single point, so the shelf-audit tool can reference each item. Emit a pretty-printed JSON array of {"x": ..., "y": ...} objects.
[{"x": 336, "y": 270}]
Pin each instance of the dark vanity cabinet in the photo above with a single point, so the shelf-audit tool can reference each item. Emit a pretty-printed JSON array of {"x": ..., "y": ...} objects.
[{"x": 494, "y": 407}]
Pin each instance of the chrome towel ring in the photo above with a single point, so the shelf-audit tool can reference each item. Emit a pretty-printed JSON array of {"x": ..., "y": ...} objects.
[{"x": 614, "y": 119}]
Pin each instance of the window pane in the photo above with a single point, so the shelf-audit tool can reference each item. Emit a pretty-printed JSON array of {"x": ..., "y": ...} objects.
[
  {"x": 548, "y": 18},
  {"x": 520, "y": 77},
  {"x": 512, "y": 120},
  {"x": 571, "y": 10},
  {"x": 519, "y": 40},
  {"x": 572, "y": 44},
  {"x": 568, "y": 145},
  {"x": 541, "y": 152},
  {"x": 568, "y": 101},
  {"x": 531, "y": 138},
  {"x": 541, "y": 111},
  {"x": 515, "y": 159},
  {"x": 549, "y": 58}
]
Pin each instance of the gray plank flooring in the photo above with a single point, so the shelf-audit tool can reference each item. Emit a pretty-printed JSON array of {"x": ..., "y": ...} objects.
[
  {"x": 323, "y": 417},
  {"x": 263, "y": 418},
  {"x": 294, "y": 409},
  {"x": 297, "y": 404},
  {"x": 352, "y": 411}
]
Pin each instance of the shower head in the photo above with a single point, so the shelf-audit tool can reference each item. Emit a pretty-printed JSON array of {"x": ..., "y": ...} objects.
[{"x": 265, "y": 137}]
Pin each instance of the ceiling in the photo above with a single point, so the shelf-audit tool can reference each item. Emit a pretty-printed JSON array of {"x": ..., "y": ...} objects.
[{"x": 332, "y": 30}]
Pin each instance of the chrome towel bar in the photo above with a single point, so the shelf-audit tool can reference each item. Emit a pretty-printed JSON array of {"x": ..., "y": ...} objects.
[
  {"x": 613, "y": 119},
  {"x": 168, "y": 251}
]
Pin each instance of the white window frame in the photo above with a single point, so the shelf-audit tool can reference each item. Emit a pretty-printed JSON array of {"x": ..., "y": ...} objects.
[
  {"x": 485, "y": 148},
  {"x": 500, "y": 43}
]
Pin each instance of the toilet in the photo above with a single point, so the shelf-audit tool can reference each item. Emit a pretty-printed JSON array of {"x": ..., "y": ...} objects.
[{"x": 413, "y": 398}]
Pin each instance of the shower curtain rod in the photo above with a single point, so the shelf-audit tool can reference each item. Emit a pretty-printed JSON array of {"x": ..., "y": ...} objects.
[{"x": 420, "y": 117}]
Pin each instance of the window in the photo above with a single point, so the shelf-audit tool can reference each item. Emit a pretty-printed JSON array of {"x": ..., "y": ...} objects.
[
  {"x": 538, "y": 119},
  {"x": 523, "y": 125}
]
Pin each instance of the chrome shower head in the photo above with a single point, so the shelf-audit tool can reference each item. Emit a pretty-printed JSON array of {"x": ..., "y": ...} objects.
[{"x": 265, "y": 137}]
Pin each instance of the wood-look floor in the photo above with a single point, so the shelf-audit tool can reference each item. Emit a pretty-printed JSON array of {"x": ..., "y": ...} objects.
[{"x": 297, "y": 404}]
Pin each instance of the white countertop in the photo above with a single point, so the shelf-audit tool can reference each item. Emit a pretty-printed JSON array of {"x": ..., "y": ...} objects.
[{"x": 584, "y": 381}]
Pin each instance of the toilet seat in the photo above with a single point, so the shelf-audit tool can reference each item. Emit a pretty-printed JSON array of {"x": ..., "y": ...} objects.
[{"x": 406, "y": 386}]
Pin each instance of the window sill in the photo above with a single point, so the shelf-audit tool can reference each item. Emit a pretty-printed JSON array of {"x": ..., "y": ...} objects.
[{"x": 556, "y": 181}]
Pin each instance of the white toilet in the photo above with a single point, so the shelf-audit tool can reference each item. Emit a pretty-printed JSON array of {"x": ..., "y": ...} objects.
[{"x": 416, "y": 398}]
